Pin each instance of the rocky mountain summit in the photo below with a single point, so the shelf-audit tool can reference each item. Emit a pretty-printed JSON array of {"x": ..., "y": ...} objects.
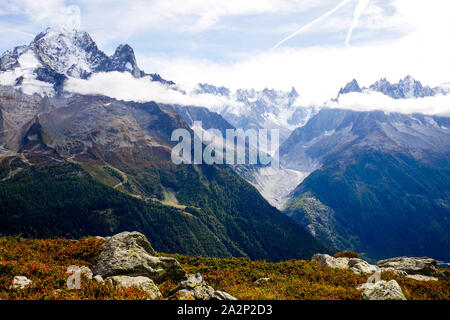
[
  {"x": 260, "y": 109},
  {"x": 58, "y": 53},
  {"x": 407, "y": 88},
  {"x": 352, "y": 86}
]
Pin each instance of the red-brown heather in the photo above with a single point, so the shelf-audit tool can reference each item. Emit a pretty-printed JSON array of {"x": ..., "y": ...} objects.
[{"x": 45, "y": 262}]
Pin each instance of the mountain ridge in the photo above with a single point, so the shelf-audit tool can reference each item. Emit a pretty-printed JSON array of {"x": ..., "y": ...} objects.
[
  {"x": 407, "y": 88},
  {"x": 106, "y": 166},
  {"x": 374, "y": 176},
  {"x": 58, "y": 53}
]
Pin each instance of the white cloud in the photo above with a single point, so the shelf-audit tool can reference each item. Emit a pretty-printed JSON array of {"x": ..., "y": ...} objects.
[
  {"x": 312, "y": 23},
  {"x": 123, "y": 86},
  {"x": 415, "y": 34},
  {"x": 46, "y": 12},
  {"x": 359, "y": 10},
  {"x": 127, "y": 18},
  {"x": 370, "y": 101},
  {"x": 122, "y": 19},
  {"x": 319, "y": 72}
]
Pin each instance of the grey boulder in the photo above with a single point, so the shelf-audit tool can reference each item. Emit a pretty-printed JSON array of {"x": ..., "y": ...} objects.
[
  {"x": 360, "y": 266},
  {"x": 262, "y": 281},
  {"x": 143, "y": 283},
  {"x": 86, "y": 272},
  {"x": 412, "y": 266},
  {"x": 357, "y": 265},
  {"x": 199, "y": 290},
  {"x": 21, "y": 282},
  {"x": 327, "y": 260},
  {"x": 419, "y": 277},
  {"x": 382, "y": 290},
  {"x": 222, "y": 295},
  {"x": 130, "y": 254}
]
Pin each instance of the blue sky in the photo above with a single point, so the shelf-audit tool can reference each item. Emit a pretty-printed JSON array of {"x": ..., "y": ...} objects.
[{"x": 228, "y": 42}]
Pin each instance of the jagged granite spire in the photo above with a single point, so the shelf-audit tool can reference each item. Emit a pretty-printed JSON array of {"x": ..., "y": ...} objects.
[
  {"x": 404, "y": 89},
  {"x": 210, "y": 89},
  {"x": 124, "y": 60},
  {"x": 352, "y": 86}
]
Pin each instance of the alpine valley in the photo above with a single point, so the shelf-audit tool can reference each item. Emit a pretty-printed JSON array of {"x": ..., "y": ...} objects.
[{"x": 74, "y": 164}]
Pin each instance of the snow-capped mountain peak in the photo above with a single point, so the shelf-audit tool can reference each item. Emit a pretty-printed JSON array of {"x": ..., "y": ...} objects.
[
  {"x": 204, "y": 88},
  {"x": 293, "y": 94},
  {"x": 267, "y": 108},
  {"x": 407, "y": 88},
  {"x": 125, "y": 60},
  {"x": 59, "y": 53},
  {"x": 68, "y": 52},
  {"x": 352, "y": 86}
]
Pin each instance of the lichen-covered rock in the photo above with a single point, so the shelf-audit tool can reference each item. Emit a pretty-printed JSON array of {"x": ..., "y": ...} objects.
[
  {"x": 410, "y": 266},
  {"x": 130, "y": 253},
  {"x": 222, "y": 295},
  {"x": 197, "y": 287},
  {"x": 98, "y": 278},
  {"x": 327, "y": 260},
  {"x": 357, "y": 265},
  {"x": 383, "y": 290},
  {"x": 143, "y": 283},
  {"x": 86, "y": 272},
  {"x": 261, "y": 281},
  {"x": 399, "y": 272},
  {"x": 419, "y": 277},
  {"x": 182, "y": 294},
  {"x": 199, "y": 290},
  {"x": 21, "y": 282},
  {"x": 364, "y": 286}
]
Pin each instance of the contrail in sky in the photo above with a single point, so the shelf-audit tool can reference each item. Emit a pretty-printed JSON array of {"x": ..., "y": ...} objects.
[{"x": 362, "y": 4}]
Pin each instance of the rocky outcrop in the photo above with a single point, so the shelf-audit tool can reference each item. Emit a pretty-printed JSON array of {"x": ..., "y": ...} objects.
[
  {"x": 382, "y": 290},
  {"x": 143, "y": 283},
  {"x": 21, "y": 282},
  {"x": 222, "y": 295},
  {"x": 421, "y": 269},
  {"x": 262, "y": 281},
  {"x": 419, "y": 277},
  {"x": 360, "y": 266},
  {"x": 130, "y": 254},
  {"x": 357, "y": 265},
  {"x": 327, "y": 260},
  {"x": 182, "y": 294},
  {"x": 98, "y": 278},
  {"x": 399, "y": 272},
  {"x": 411, "y": 266},
  {"x": 86, "y": 272},
  {"x": 199, "y": 290},
  {"x": 128, "y": 260}
]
